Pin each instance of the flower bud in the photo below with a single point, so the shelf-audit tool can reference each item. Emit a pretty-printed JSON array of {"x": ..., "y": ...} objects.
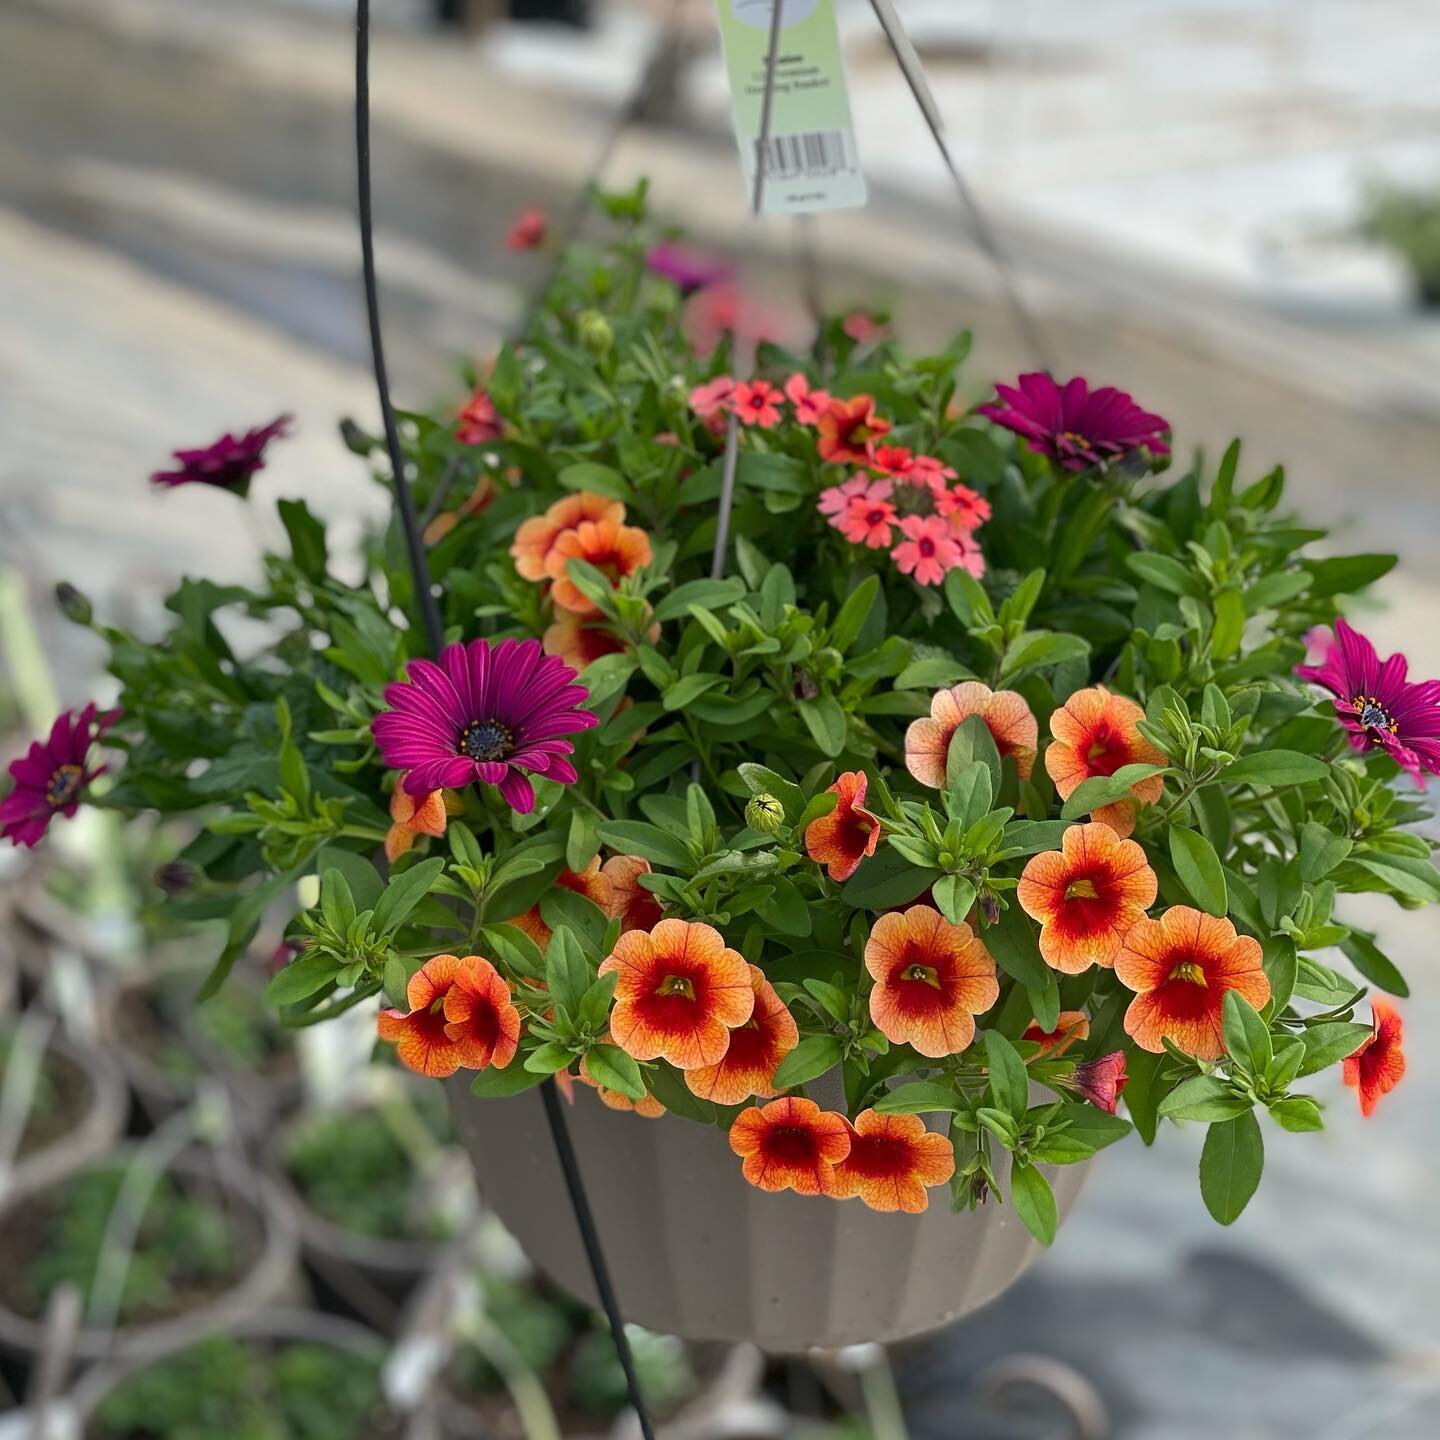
[
  {"x": 356, "y": 439},
  {"x": 765, "y": 814},
  {"x": 595, "y": 332},
  {"x": 176, "y": 877},
  {"x": 73, "y": 605}
]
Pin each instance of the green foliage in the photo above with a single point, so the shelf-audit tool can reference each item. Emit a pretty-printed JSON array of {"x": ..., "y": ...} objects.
[
  {"x": 728, "y": 706},
  {"x": 225, "y": 1389}
]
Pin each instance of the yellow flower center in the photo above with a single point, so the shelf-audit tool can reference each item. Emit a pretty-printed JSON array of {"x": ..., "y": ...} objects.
[
  {"x": 677, "y": 985},
  {"x": 1082, "y": 889},
  {"x": 1190, "y": 971},
  {"x": 64, "y": 785},
  {"x": 925, "y": 974}
]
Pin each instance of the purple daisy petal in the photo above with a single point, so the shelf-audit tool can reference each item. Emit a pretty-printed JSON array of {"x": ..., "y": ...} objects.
[
  {"x": 50, "y": 778},
  {"x": 486, "y": 713},
  {"x": 1074, "y": 425}
]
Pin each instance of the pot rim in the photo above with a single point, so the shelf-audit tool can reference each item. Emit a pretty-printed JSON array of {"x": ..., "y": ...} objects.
[
  {"x": 96, "y": 1131},
  {"x": 264, "y": 1279}
]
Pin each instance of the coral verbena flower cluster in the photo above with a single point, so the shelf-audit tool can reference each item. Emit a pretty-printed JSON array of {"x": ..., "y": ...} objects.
[{"x": 910, "y": 778}]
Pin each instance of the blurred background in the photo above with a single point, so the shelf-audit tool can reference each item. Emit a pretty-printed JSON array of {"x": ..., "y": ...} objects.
[{"x": 1229, "y": 207}]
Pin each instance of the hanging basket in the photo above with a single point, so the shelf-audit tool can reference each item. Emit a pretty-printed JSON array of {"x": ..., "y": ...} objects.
[{"x": 699, "y": 1252}]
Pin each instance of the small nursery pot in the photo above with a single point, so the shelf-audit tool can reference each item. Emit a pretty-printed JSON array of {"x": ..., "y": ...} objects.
[
  {"x": 697, "y": 1251},
  {"x": 130, "y": 1018},
  {"x": 95, "y": 1099},
  {"x": 368, "y": 1275},
  {"x": 267, "y": 1274},
  {"x": 263, "y": 1328}
]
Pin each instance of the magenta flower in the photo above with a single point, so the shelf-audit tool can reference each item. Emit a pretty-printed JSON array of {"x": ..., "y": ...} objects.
[
  {"x": 484, "y": 713},
  {"x": 690, "y": 269},
  {"x": 49, "y": 779},
  {"x": 1377, "y": 705},
  {"x": 228, "y": 464},
  {"x": 1101, "y": 1081},
  {"x": 1075, "y": 426}
]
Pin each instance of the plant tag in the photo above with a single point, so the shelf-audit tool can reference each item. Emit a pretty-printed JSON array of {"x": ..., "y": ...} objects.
[{"x": 812, "y": 161}]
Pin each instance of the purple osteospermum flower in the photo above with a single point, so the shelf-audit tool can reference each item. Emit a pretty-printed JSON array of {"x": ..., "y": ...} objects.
[
  {"x": 50, "y": 777},
  {"x": 1075, "y": 426},
  {"x": 485, "y": 712},
  {"x": 691, "y": 270},
  {"x": 229, "y": 463},
  {"x": 1377, "y": 705}
]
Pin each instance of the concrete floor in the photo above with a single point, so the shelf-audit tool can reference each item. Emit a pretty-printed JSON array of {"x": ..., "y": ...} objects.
[{"x": 177, "y": 257}]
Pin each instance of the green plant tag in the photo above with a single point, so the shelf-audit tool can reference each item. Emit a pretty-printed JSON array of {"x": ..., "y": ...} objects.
[{"x": 812, "y": 162}]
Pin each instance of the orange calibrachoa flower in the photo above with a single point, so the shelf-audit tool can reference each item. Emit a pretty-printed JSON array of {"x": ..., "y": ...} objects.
[
  {"x": 1086, "y": 896},
  {"x": 1378, "y": 1066},
  {"x": 1095, "y": 734},
  {"x": 893, "y": 1159},
  {"x": 1072, "y": 1027},
  {"x": 931, "y": 979},
  {"x": 415, "y": 815},
  {"x": 591, "y": 882},
  {"x": 1181, "y": 967},
  {"x": 848, "y": 429},
  {"x": 844, "y": 837},
  {"x": 614, "y": 549},
  {"x": 537, "y": 536},
  {"x": 631, "y": 903},
  {"x": 461, "y": 1017},
  {"x": 681, "y": 992},
  {"x": 791, "y": 1144},
  {"x": 577, "y": 643},
  {"x": 756, "y": 1049},
  {"x": 649, "y": 1108},
  {"x": 1006, "y": 715}
]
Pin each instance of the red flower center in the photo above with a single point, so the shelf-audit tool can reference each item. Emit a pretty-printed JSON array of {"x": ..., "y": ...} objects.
[
  {"x": 64, "y": 785},
  {"x": 927, "y": 548},
  {"x": 1107, "y": 752},
  {"x": 791, "y": 1145},
  {"x": 878, "y": 1157}
]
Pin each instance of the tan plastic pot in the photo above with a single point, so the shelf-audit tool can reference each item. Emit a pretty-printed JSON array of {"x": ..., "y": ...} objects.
[{"x": 698, "y": 1252}]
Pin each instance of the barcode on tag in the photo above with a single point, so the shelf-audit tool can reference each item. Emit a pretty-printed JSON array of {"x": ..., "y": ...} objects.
[
  {"x": 809, "y": 161},
  {"x": 812, "y": 153}
]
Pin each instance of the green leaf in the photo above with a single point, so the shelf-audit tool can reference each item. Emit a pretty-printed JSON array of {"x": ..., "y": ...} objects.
[
  {"x": 932, "y": 673},
  {"x": 1367, "y": 957},
  {"x": 493, "y": 1084},
  {"x": 1093, "y": 1126},
  {"x": 825, "y": 721},
  {"x": 577, "y": 913},
  {"x": 549, "y": 1059},
  {"x": 1039, "y": 649},
  {"x": 245, "y": 919},
  {"x": 811, "y": 1058},
  {"x": 711, "y": 594},
  {"x": 1247, "y": 1036},
  {"x": 786, "y": 909},
  {"x": 514, "y": 949},
  {"x": 1015, "y": 943},
  {"x": 1045, "y": 1002},
  {"x": 1143, "y": 1091},
  {"x": 845, "y": 629},
  {"x": 1230, "y": 1166},
  {"x": 967, "y": 598},
  {"x": 1203, "y": 1097},
  {"x": 1198, "y": 867},
  {"x": 1321, "y": 850},
  {"x": 403, "y": 894},
  {"x": 1329, "y": 1043},
  {"x": 1166, "y": 573},
  {"x": 668, "y": 1086},
  {"x": 687, "y": 689},
  {"x": 1406, "y": 875},
  {"x": 611, "y": 1067},
  {"x": 1277, "y": 767},
  {"x": 301, "y": 978},
  {"x": 972, "y": 743},
  {"x": 1347, "y": 574},
  {"x": 1009, "y": 1086},
  {"x": 921, "y": 1097},
  {"x": 1229, "y": 628},
  {"x": 886, "y": 880},
  {"x": 598, "y": 479},
  {"x": 567, "y": 972},
  {"x": 1029, "y": 837},
  {"x": 1298, "y": 1113},
  {"x": 583, "y": 841},
  {"x": 636, "y": 837},
  {"x": 954, "y": 895},
  {"x": 1100, "y": 790},
  {"x": 761, "y": 781},
  {"x": 1282, "y": 969},
  {"x": 361, "y": 876},
  {"x": 1033, "y": 1199},
  {"x": 307, "y": 538}
]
